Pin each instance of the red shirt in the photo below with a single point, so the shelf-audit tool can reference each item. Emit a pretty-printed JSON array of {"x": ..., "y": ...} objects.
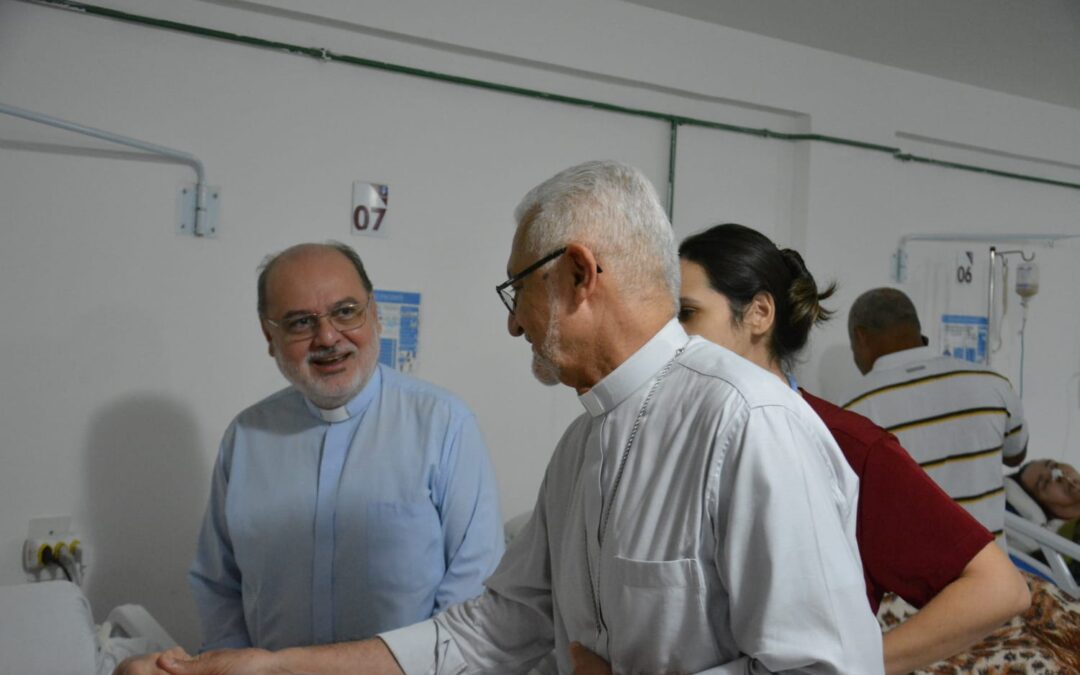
[{"x": 913, "y": 538}]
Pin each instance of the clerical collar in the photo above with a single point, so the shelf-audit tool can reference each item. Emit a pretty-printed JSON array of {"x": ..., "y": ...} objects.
[
  {"x": 635, "y": 371},
  {"x": 339, "y": 414},
  {"x": 355, "y": 406}
]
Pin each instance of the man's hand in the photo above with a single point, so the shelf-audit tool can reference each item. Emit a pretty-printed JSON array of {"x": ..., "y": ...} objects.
[
  {"x": 586, "y": 662},
  {"x": 368, "y": 656},
  {"x": 147, "y": 663},
  {"x": 223, "y": 662}
]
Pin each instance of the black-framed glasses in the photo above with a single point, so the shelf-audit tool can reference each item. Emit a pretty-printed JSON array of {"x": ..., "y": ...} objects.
[
  {"x": 507, "y": 292},
  {"x": 304, "y": 326}
]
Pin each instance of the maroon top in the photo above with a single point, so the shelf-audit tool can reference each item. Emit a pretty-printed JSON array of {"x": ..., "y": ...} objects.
[{"x": 913, "y": 538}]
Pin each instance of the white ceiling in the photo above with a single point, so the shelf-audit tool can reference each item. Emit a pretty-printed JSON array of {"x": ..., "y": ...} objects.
[{"x": 1029, "y": 48}]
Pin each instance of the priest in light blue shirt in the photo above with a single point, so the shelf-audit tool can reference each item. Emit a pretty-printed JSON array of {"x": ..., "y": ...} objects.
[{"x": 356, "y": 500}]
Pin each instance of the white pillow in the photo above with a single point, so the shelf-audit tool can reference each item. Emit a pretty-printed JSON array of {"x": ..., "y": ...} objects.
[
  {"x": 1020, "y": 500},
  {"x": 46, "y": 628}
]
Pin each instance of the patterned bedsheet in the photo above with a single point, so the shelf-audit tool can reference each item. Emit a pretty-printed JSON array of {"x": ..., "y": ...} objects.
[{"x": 1044, "y": 640}]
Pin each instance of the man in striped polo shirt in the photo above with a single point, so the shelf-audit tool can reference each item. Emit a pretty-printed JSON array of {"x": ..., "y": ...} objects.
[{"x": 959, "y": 420}]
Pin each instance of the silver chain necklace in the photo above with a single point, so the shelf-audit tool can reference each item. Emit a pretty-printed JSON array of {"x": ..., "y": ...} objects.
[{"x": 600, "y": 624}]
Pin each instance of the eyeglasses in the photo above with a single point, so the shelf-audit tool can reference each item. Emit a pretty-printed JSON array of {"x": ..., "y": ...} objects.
[
  {"x": 507, "y": 292},
  {"x": 343, "y": 318}
]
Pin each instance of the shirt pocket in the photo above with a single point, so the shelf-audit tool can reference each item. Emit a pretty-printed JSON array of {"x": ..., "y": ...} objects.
[
  {"x": 404, "y": 546},
  {"x": 656, "y": 618}
]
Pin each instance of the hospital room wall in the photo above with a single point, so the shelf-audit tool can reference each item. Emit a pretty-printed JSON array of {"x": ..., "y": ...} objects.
[
  {"x": 128, "y": 348},
  {"x": 855, "y": 233}
]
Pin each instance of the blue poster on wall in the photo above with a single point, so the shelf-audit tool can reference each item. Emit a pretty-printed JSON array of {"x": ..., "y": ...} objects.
[
  {"x": 964, "y": 337},
  {"x": 399, "y": 314}
]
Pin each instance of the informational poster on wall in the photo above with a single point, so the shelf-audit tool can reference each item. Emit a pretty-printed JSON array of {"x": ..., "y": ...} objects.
[
  {"x": 948, "y": 281},
  {"x": 399, "y": 315},
  {"x": 964, "y": 337},
  {"x": 370, "y": 204}
]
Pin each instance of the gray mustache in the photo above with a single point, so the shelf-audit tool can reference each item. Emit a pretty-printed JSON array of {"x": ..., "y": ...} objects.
[{"x": 327, "y": 353}]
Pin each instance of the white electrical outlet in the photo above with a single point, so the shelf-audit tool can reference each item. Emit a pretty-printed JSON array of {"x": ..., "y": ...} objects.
[
  {"x": 34, "y": 550},
  {"x": 51, "y": 533}
]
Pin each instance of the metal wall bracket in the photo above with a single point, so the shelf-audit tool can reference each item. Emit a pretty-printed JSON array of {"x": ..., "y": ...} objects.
[
  {"x": 200, "y": 218},
  {"x": 191, "y": 220}
]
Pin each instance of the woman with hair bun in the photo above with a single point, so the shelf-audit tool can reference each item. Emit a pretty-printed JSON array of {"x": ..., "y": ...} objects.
[{"x": 742, "y": 292}]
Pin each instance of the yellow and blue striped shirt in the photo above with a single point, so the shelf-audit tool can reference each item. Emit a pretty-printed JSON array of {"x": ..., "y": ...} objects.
[{"x": 958, "y": 420}]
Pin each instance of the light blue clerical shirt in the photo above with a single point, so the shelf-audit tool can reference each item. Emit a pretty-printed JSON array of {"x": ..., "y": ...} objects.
[{"x": 332, "y": 525}]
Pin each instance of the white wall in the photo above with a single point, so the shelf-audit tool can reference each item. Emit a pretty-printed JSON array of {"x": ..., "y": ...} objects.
[{"x": 127, "y": 347}]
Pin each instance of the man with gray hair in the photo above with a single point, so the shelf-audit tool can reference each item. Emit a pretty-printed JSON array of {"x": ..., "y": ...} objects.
[
  {"x": 959, "y": 420},
  {"x": 696, "y": 518}
]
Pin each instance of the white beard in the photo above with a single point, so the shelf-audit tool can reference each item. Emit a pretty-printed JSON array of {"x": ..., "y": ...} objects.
[
  {"x": 544, "y": 368},
  {"x": 323, "y": 394}
]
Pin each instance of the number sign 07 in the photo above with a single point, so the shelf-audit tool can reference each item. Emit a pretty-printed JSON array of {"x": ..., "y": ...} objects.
[
  {"x": 362, "y": 215},
  {"x": 369, "y": 206}
]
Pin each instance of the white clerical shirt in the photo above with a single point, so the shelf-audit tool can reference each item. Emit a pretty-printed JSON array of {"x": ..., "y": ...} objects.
[{"x": 724, "y": 543}]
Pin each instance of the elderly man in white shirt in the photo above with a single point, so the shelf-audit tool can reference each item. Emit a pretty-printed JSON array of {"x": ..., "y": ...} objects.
[{"x": 697, "y": 517}]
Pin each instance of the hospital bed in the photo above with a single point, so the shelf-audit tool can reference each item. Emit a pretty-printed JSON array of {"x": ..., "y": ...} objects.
[
  {"x": 47, "y": 628},
  {"x": 1055, "y": 549},
  {"x": 1032, "y": 532},
  {"x": 1046, "y": 638}
]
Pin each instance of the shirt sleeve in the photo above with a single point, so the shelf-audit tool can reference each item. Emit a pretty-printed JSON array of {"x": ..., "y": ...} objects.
[
  {"x": 1016, "y": 433},
  {"x": 785, "y": 550},
  {"x": 913, "y": 538},
  {"x": 507, "y": 629},
  {"x": 214, "y": 576},
  {"x": 468, "y": 503}
]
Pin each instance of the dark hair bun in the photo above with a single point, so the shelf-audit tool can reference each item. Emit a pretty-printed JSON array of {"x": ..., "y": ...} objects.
[{"x": 803, "y": 295}]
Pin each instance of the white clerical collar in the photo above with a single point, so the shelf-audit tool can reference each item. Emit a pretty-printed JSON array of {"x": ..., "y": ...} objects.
[
  {"x": 902, "y": 358},
  {"x": 636, "y": 370},
  {"x": 339, "y": 414},
  {"x": 355, "y": 406}
]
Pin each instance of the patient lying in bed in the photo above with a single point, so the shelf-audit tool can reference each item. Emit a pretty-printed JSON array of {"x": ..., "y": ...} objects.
[
  {"x": 1046, "y": 638},
  {"x": 1047, "y": 493}
]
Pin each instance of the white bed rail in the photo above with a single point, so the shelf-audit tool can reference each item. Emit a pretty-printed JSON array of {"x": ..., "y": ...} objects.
[{"x": 1053, "y": 546}]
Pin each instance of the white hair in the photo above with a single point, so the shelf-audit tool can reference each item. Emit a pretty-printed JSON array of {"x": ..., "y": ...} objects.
[{"x": 612, "y": 208}]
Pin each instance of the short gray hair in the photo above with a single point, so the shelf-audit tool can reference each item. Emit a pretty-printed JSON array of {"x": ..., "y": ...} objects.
[
  {"x": 883, "y": 309},
  {"x": 612, "y": 208}
]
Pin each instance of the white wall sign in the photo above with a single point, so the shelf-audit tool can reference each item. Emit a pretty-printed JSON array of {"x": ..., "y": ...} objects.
[{"x": 370, "y": 202}]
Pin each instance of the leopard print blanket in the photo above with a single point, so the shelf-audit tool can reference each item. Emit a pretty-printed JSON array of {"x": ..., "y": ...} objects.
[{"x": 1044, "y": 640}]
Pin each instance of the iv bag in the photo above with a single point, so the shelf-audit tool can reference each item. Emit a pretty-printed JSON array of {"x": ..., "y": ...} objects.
[{"x": 1027, "y": 279}]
